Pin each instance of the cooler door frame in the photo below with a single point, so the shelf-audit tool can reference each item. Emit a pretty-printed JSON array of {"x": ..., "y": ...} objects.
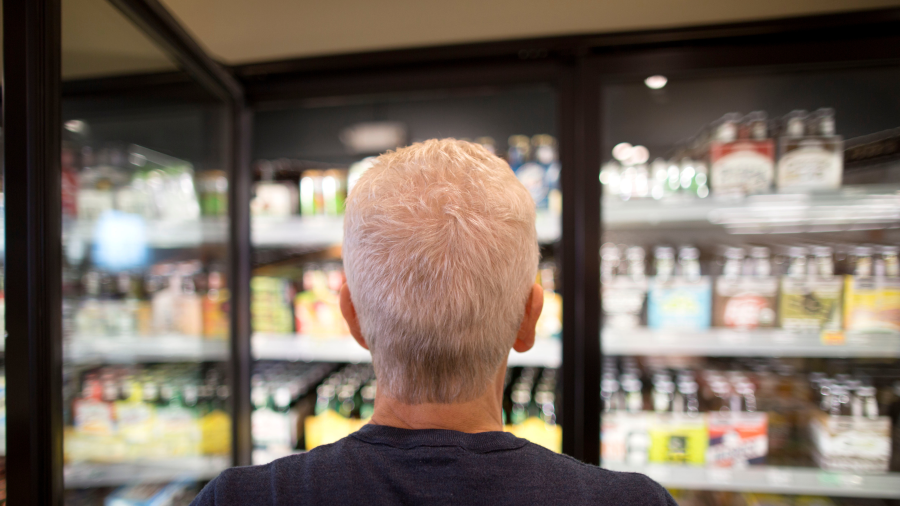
[{"x": 32, "y": 97}]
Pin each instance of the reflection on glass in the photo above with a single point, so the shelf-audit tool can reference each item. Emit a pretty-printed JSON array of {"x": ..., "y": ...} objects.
[
  {"x": 147, "y": 406},
  {"x": 145, "y": 320},
  {"x": 750, "y": 285},
  {"x": 308, "y": 160}
]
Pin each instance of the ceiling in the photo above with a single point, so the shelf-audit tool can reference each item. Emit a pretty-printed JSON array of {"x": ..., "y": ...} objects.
[
  {"x": 243, "y": 31},
  {"x": 99, "y": 41}
]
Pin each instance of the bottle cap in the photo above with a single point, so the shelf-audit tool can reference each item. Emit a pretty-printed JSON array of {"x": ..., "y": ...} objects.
[
  {"x": 759, "y": 252},
  {"x": 664, "y": 252},
  {"x": 734, "y": 253}
]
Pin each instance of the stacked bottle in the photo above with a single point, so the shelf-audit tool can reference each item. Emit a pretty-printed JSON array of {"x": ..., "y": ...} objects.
[{"x": 819, "y": 287}]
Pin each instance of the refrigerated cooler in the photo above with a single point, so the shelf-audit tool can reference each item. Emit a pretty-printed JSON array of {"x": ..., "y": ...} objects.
[
  {"x": 750, "y": 283},
  {"x": 312, "y": 383},
  {"x": 744, "y": 255}
]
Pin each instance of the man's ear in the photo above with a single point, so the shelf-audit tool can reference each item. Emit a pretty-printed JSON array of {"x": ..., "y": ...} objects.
[
  {"x": 349, "y": 313},
  {"x": 533, "y": 306}
]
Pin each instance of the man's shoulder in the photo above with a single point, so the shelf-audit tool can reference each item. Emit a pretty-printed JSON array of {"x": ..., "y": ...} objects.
[{"x": 604, "y": 486}]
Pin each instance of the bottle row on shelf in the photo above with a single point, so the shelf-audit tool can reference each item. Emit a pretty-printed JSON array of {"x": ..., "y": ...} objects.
[
  {"x": 181, "y": 298},
  {"x": 299, "y": 406},
  {"x": 169, "y": 493},
  {"x": 305, "y": 300},
  {"x": 719, "y": 498},
  {"x": 120, "y": 414},
  {"x": 735, "y": 156},
  {"x": 135, "y": 180},
  {"x": 722, "y": 414},
  {"x": 290, "y": 187},
  {"x": 821, "y": 287}
]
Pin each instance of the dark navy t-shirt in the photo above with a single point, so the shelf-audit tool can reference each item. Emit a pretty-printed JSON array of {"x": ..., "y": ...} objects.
[{"x": 386, "y": 465}]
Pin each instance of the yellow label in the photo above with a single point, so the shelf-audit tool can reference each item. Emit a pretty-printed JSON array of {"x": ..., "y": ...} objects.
[
  {"x": 678, "y": 441},
  {"x": 833, "y": 337},
  {"x": 215, "y": 430},
  {"x": 328, "y": 427},
  {"x": 538, "y": 432},
  {"x": 872, "y": 304}
]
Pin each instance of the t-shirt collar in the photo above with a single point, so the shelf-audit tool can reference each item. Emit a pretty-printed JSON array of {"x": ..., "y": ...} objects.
[{"x": 481, "y": 442}]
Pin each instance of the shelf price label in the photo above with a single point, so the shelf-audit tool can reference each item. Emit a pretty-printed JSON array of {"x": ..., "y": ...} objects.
[
  {"x": 779, "y": 477},
  {"x": 841, "y": 480},
  {"x": 719, "y": 475},
  {"x": 833, "y": 338}
]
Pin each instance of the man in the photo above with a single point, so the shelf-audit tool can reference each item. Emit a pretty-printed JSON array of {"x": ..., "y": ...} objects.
[{"x": 441, "y": 256}]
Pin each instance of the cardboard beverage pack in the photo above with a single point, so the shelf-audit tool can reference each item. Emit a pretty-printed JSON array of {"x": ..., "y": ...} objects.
[{"x": 737, "y": 439}]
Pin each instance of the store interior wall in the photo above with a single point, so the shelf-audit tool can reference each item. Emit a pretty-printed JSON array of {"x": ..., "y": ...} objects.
[{"x": 313, "y": 130}]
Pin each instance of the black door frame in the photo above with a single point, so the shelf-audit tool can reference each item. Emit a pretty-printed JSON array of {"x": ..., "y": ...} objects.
[
  {"x": 575, "y": 66},
  {"x": 32, "y": 130},
  {"x": 32, "y": 126}
]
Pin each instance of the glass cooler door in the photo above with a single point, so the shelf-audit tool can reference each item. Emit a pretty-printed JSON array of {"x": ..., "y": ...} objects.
[
  {"x": 751, "y": 285},
  {"x": 147, "y": 407},
  {"x": 312, "y": 383}
]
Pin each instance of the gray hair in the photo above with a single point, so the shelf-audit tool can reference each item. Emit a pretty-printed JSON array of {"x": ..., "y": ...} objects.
[{"x": 440, "y": 252}]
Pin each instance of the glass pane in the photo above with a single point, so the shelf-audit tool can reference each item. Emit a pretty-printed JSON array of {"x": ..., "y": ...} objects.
[
  {"x": 145, "y": 297},
  {"x": 312, "y": 383},
  {"x": 751, "y": 319}
]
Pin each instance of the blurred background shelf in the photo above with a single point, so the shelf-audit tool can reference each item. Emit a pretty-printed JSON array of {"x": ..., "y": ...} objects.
[
  {"x": 87, "y": 475},
  {"x": 122, "y": 350},
  {"x": 324, "y": 231},
  {"x": 850, "y": 208},
  {"x": 546, "y": 352},
  {"x": 748, "y": 343},
  {"x": 770, "y": 479},
  {"x": 159, "y": 234}
]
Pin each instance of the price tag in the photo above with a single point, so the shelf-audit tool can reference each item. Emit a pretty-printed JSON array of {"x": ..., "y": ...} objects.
[
  {"x": 829, "y": 479},
  {"x": 851, "y": 480},
  {"x": 859, "y": 338},
  {"x": 666, "y": 337},
  {"x": 734, "y": 337},
  {"x": 779, "y": 477},
  {"x": 720, "y": 475},
  {"x": 784, "y": 337},
  {"x": 833, "y": 338}
]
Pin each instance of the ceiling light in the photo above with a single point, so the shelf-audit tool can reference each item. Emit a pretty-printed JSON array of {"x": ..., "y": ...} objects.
[
  {"x": 656, "y": 82},
  {"x": 639, "y": 155},
  {"x": 75, "y": 126},
  {"x": 622, "y": 151}
]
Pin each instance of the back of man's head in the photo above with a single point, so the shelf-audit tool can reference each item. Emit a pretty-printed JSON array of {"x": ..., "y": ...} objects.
[{"x": 440, "y": 253}]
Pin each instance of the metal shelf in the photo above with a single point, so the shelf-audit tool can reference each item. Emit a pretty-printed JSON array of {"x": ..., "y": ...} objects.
[
  {"x": 122, "y": 350},
  {"x": 770, "y": 479},
  {"x": 90, "y": 475},
  {"x": 749, "y": 343},
  {"x": 160, "y": 234},
  {"x": 546, "y": 352},
  {"x": 850, "y": 208},
  {"x": 323, "y": 231}
]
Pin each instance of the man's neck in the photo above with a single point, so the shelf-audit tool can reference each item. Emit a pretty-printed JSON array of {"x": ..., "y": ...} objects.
[{"x": 482, "y": 414}]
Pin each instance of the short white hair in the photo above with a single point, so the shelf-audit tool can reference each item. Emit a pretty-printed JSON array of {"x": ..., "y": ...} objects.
[{"x": 440, "y": 252}]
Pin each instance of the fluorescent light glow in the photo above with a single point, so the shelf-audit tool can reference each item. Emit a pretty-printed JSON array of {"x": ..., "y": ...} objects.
[
  {"x": 622, "y": 151},
  {"x": 639, "y": 155},
  {"x": 656, "y": 82},
  {"x": 75, "y": 126}
]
